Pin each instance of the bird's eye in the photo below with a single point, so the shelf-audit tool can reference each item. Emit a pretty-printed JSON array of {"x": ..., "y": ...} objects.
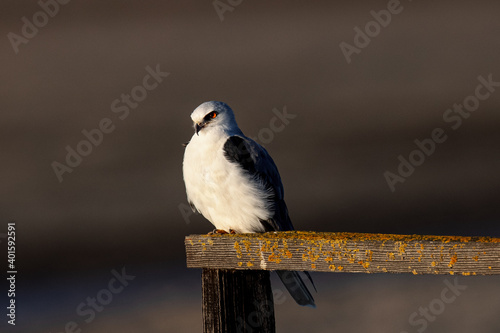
[{"x": 211, "y": 115}]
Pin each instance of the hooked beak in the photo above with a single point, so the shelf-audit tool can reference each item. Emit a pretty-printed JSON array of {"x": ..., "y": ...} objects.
[{"x": 198, "y": 127}]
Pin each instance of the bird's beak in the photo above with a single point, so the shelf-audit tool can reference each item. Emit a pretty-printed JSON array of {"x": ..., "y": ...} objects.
[{"x": 197, "y": 128}]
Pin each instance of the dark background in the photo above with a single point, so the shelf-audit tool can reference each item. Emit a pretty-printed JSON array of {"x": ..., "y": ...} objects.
[{"x": 121, "y": 207}]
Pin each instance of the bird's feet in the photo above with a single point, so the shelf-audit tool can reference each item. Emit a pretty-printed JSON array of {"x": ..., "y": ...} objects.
[{"x": 221, "y": 232}]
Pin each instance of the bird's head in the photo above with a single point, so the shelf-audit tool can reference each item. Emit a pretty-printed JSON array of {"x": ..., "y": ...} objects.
[{"x": 213, "y": 115}]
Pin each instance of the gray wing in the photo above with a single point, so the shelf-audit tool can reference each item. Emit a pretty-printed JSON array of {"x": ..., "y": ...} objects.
[{"x": 253, "y": 158}]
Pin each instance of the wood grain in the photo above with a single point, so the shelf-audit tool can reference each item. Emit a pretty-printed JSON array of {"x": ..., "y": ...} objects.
[
  {"x": 237, "y": 301},
  {"x": 346, "y": 252}
]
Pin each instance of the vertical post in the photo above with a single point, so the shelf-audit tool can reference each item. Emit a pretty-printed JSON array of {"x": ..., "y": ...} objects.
[{"x": 237, "y": 301}]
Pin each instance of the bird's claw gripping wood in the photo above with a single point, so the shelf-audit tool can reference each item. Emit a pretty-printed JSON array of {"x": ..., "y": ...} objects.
[{"x": 221, "y": 232}]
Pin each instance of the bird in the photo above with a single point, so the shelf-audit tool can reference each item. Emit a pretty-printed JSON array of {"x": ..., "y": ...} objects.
[{"x": 234, "y": 183}]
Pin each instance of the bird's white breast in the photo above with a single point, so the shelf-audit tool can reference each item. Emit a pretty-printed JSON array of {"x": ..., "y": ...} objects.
[{"x": 222, "y": 191}]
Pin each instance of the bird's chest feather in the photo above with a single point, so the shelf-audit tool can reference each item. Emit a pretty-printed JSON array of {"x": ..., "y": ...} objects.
[
  {"x": 208, "y": 171},
  {"x": 223, "y": 191},
  {"x": 211, "y": 165}
]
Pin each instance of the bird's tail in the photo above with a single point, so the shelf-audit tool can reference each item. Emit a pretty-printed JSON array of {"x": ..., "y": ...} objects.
[{"x": 297, "y": 288}]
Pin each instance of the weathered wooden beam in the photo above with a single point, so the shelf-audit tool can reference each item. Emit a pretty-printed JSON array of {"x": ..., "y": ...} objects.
[
  {"x": 346, "y": 252},
  {"x": 237, "y": 301}
]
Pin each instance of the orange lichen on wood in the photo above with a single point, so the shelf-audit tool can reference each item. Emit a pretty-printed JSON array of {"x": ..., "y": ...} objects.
[
  {"x": 347, "y": 252},
  {"x": 237, "y": 247},
  {"x": 247, "y": 245},
  {"x": 346, "y": 236},
  {"x": 369, "y": 254},
  {"x": 453, "y": 260}
]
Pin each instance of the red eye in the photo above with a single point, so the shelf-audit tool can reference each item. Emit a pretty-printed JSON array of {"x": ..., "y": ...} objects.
[{"x": 210, "y": 116}]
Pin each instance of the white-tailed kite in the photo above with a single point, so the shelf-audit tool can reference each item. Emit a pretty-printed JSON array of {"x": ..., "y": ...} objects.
[{"x": 233, "y": 182}]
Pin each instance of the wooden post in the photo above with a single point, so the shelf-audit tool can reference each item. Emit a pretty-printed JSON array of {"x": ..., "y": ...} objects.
[
  {"x": 237, "y": 301},
  {"x": 237, "y": 295}
]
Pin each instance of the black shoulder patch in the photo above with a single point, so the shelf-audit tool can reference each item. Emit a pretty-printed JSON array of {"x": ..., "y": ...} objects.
[{"x": 236, "y": 151}]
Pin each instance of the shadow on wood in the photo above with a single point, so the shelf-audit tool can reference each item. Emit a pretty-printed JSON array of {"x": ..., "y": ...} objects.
[{"x": 237, "y": 301}]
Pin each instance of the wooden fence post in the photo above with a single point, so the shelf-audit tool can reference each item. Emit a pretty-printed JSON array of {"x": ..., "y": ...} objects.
[
  {"x": 237, "y": 294},
  {"x": 237, "y": 301}
]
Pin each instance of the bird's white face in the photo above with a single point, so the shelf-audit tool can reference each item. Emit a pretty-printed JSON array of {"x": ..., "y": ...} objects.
[{"x": 212, "y": 115}]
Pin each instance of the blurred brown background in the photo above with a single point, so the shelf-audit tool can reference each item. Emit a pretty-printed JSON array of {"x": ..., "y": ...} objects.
[{"x": 121, "y": 207}]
